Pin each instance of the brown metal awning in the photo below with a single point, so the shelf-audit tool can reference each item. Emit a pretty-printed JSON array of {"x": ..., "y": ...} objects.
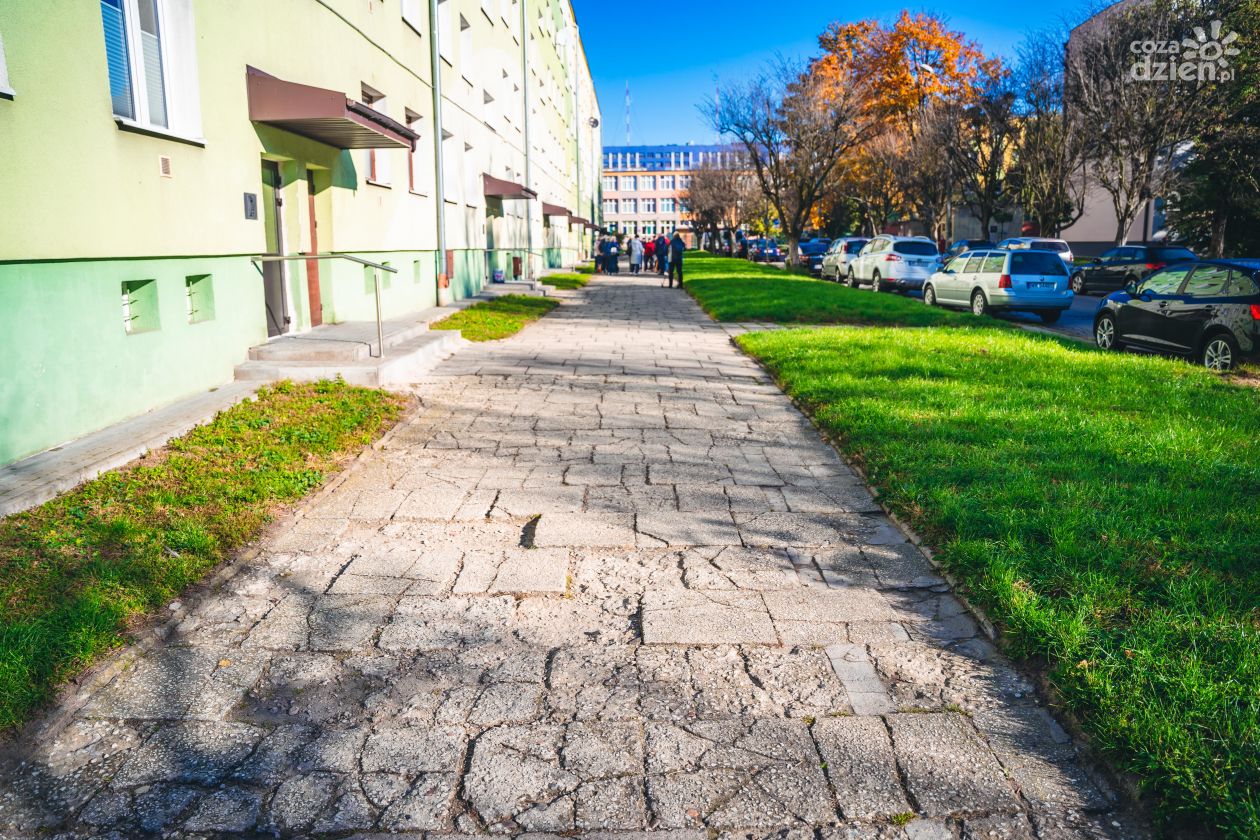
[
  {"x": 328, "y": 116},
  {"x": 499, "y": 188},
  {"x": 554, "y": 210},
  {"x": 578, "y": 220}
]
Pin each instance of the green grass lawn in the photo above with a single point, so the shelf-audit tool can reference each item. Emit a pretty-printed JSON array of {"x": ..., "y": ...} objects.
[
  {"x": 76, "y": 571},
  {"x": 738, "y": 290},
  {"x": 1103, "y": 508},
  {"x": 499, "y": 318},
  {"x": 567, "y": 281}
]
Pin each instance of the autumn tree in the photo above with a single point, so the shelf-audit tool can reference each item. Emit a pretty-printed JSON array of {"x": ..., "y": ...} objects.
[
  {"x": 978, "y": 138},
  {"x": 1050, "y": 178},
  {"x": 723, "y": 197},
  {"x": 795, "y": 122}
]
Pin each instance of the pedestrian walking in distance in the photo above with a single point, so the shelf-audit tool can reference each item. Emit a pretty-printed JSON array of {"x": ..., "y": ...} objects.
[
  {"x": 662, "y": 254},
  {"x": 635, "y": 247},
  {"x": 676, "y": 248},
  {"x": 614, "y": 253}
]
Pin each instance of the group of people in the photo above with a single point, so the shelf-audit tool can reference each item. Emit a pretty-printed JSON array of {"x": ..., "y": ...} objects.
[{"x": 663, "y": 253}]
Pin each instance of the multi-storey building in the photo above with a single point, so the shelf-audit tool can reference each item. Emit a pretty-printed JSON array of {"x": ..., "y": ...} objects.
[
  {"x": 644, "y": 186},
  {"x": 445, "y": 140}
]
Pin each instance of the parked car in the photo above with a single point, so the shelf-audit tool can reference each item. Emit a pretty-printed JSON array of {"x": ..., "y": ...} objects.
[
  {"x": 835, "y": 263},
  {"x": 963, "y": 245},
  {"x": 894, "y": 262},
  {"x": 1020, "y": 280},
  {"x": 1057, "y": 245},
  {"x": 1208, "y": 311},
  {"x": 764, "y": 250},
  {"x": 1116, "y": 268},
  {"x": 811, "y": 253}
]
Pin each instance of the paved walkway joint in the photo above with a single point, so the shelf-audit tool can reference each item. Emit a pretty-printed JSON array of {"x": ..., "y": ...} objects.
[{"x": 607, "y": 581}]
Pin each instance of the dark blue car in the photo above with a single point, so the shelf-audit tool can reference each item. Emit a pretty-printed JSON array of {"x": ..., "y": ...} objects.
[{"x": 1208, "y": 311}]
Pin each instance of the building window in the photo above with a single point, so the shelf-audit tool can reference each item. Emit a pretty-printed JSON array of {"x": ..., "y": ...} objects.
[
  {"x": 629, "y": 205},
  {"x": 667, "y": 182},
  {"x": 199, "y": 298},
  {"x": 150, "y": 55},
  {"x": 649, "y": 228},
  {"x": 413, "y": 165},
  {"x": 610, "y": 206},
  {"x": 446, "y": 30},
  {"x": 610, "y": 183},
  {"x": 413, "y": 15},
  {"x": 377, "y": 159},
  {"x": 6, "y": 90},
  {"x": 684, "y": 182},
  {"x": 647, "y": 183},
  {"x": 649, "y": 205},
  {"x": 139, "y": 306},
  {"x": 627, "y": 183},
  {"x": 667, "y": 205}
]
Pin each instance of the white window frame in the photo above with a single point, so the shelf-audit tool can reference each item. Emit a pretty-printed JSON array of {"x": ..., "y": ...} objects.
[
  {"x": 610, "y": 183},
  {"x": 610, "y": 206},
  {"x": 648, "y": 183},
  {"x": 413, "y": 15},
  {"x": 446, "y": 30},
  {"x": 628, "y": 183},
  {"x": 649, "y": 205},
  {"x": 6, "y": 89},
  {"x": 667, "y": 182},
  {"x": 628, "y": 206},
  {"x": 667, "y": 205},
  {"x": 414, "y": 121},
  {"x": 178, "y": 43}
]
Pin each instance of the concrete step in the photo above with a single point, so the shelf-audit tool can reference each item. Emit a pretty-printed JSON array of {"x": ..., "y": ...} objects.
[
  {"x": 402, "y": 364},
  {"x": 336, "y": 343}
]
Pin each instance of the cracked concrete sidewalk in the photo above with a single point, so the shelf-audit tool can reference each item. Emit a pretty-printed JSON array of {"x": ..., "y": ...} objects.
[{"x": 606, "y": 582}]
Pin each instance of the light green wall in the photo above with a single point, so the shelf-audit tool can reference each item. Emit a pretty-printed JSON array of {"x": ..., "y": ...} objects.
[{"x": 70, "y": 367}]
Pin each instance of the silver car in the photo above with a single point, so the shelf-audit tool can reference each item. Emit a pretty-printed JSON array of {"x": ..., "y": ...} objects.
[
  {"x": 899, "y": 263},
  {"x": 1039, "y": 243},
  {"x": 1025, "y": 280},
  {"x": 835, "y": 263}
]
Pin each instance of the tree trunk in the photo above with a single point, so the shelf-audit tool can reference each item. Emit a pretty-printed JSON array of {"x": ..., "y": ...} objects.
[{"x": 1219, "y": 219}]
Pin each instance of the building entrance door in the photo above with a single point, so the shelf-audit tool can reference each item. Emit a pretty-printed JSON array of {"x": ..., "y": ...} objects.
[{"x": 273, "y": 272}]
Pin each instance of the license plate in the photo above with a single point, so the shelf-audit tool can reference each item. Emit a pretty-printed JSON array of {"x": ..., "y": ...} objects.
[{"x": 1041, "y": 285}]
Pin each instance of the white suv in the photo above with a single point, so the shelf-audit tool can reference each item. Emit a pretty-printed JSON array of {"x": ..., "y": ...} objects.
[{"x": 894, "y": 262}]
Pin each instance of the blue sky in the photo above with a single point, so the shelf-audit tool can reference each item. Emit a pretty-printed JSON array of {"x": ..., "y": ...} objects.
[{"x": 673, "y": 53}]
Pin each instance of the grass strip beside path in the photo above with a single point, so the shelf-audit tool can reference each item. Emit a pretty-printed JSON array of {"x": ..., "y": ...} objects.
[
  {"x": 742, "y": 291},
  {"x": 1103, "y": 510},
  {"x": 498, "y": 318},
  {"x": 75, "y": 572},
  {"x": 567, "y": 281}
]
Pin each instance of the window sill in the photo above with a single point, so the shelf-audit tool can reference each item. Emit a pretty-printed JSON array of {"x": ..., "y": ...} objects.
[
  {"x": 382, "y": 184},
  {"x": 127, "y": 125},
  {"x": 415, "y": 192}
]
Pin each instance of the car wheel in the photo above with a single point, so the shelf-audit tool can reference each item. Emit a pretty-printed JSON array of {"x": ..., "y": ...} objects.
[
  {"x": 1078, "y": 283},
  {"x": 929, "y": 296},
  {"x": 979, "y": 303},
  {"x": 853, "y": 283},
  {"x": 1220, "y": 352},
  {"x": 1049, "y": 316},
  {"x": 1105, "y": 333},
  {"x": 876, "y": 283}
]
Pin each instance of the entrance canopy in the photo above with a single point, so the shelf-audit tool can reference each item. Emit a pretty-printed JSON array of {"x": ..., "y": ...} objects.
[
  {"x": 499, "y": 188},
  {"x": 555, "y": 210},
  {"x": 328, "y": 116}
]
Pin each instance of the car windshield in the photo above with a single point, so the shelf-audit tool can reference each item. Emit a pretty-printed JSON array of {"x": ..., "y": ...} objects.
[
  {"x": 1037, "y": 262},
  {"x": 1049, "y": 245},
  {"x": 915, "y": 248},
  {"x": 1171, "y": 254}
]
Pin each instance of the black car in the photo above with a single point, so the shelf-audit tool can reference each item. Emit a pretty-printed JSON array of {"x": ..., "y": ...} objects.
[
  {"x": 1209, "y": 311},
  {"x": 966, "y": 245},
  {"x": 1117, "y": 267}
]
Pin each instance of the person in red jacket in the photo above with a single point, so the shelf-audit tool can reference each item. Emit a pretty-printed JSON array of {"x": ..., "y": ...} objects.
[{"x": 649, "y": 253}]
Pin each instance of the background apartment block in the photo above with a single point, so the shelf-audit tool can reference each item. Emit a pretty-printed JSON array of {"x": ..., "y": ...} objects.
[
  {"x": 152, "y": 147},
  {"x": 644, "y": 185}
]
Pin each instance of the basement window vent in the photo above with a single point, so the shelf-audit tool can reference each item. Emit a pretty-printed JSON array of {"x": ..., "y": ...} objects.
[
  {"x": 164, "y": 166},
  {"x": 199, "y": 298},
  {"x": 139, "y": 306}
]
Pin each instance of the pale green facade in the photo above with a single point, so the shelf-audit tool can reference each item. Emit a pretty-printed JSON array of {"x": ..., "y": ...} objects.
[{"x": 126, "y": 279}]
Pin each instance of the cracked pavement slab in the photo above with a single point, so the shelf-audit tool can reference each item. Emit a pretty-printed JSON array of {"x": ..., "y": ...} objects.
[{"x": 606, "y": 581}]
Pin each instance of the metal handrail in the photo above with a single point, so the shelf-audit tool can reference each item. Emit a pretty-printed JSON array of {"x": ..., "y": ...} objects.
[{"x": 377, "y": 268}]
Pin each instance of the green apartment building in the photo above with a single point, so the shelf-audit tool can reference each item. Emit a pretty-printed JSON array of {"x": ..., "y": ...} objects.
[{"x": 153, "y": 148}]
